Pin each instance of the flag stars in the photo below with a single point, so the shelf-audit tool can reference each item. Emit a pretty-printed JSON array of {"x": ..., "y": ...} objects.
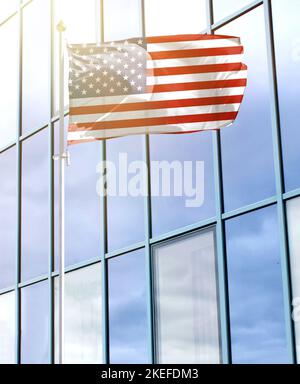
[
  {"x": 91, "y": 86},
  {"x": 111, "y": 90},
  {"x": 84, "y": 92},
  {"x": 98, "y": 91}
]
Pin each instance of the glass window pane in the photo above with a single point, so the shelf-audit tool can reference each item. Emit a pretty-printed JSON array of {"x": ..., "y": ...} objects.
[
  {"x": 127, "y": 309},
  {"x": 224, "y": 8},
  {"x": 125, "y": 209},
  {"x": 83, "y": 239},
  {"x": 287, "y": 44},
  {"x": 173, "y": 17},
  {"x": 81, "y": 18},
  {"x": 7, "y": 328},
  {"x": 9, "y": 82},
  {"x": 35, "y": 324},
  {"x": 83, "y": 319},
  {"x": 293, "y": 213},
  {"x": 255, "y": 289},
  {"x": 8, "y": 7},
  {"x": 186, "y": 300},
  {"x": 118, "y": 11},
  {"x": 36, "y": 59},
  {"x": 8, "y": 217},
  {"x": 35, "y": 205},
  {"x": 247, "y": 153},
  {"x": 188, "y": 158}
]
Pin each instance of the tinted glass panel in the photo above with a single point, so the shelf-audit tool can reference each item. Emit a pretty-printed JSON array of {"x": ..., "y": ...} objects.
[
  {"x": 186, "y": 303},
  {"x": 9, "y": 82},
  {"x": 8, "y": 217},
  {"x": 127, "y": 309},
  {"x": 287, "y": 43},
  {"x": 35, "y": 205},
  {"x": 175, "y": 16},
  {"x": 255, "y": 289},
  {"x": 125, "y": 202},
  {"x": 83, "y": 339},
  {"x": 247, "y": 154},
  {"x": 293, "y": 212},
  {"x": 7, "y": 328},
  {"x": 36, "y": 54},
  {"x": 35, "y": 324},
  {"x": 223, "y": 8},
  {"x": 190, "y": 167}
]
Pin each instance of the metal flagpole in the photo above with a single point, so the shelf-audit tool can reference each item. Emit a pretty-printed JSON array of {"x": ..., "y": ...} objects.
[{"x": 61, "y": 204}]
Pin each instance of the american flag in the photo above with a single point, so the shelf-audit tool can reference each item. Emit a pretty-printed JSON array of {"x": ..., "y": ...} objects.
[{"x": 163, "y": 84}]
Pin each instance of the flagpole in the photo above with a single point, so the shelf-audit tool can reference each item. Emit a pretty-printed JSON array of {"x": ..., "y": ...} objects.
[{"x": 61, "y": 203}]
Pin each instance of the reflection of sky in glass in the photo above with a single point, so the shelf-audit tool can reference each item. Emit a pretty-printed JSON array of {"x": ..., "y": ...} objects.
[
  {"x": 247, "y": 153},
  {"x": 7, "y": 8},
  {"x": 35, "y": 324},
  {"x": 9, "y": 82},
  {"x": 8, "y": 217},
  {"x": 172, "y": 17},
  {"x": 35, "y": 205},
  {"x": 127, "y": 309},
  {"x": 7, "y": 328},
  {"x": 83, "y": 340},
  {"x": 293, "y": 213},
  {"x": 186, "y": 300},
  {"x": 125, "y": 215},
  {"x": 287, "y": 41},
  {"x": 170, "y": 213},
  {"x": 36, "y": 59},
  {"x": 223, "y": 8},
  {"x": 255, "y": 289}
]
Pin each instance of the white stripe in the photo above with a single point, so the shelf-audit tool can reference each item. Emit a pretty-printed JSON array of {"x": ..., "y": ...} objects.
[
  {"x": 144, "y": 114},
  {"x": 90, "y": 101},
  {"x": 196, "y": 44},
  {"x": 109, "y": 133},
  {"x": 185, "y": 61},
  {"x": 171, "y": 79}
]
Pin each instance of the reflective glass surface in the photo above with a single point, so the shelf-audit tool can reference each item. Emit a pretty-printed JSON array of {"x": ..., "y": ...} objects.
[
  {"x": 35, "y": 205},
  {"x": 35, "y": 324},
  {"x": 8, "y": 217},
  {"x": 293, "y": 214},
  {"x": 9, "y": 82},
  {"x": 224, "y": 8},
  {"x": 7, "y": 328},
  {"x": 127, "y": 309},
  {"x": 255, "y": 289},
  {"x": 186, "y": 302},
  {"x": 287, "y": 44},
  {"x": 7, "y": 8},
  {"x": 83, "y": 338},
  {"x": 247, "y": 153},
  {"x": 35, "y": 65}
]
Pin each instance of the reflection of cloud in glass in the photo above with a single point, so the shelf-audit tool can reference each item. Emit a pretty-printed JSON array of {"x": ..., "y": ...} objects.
[
  {"x": 8, "y": 217},
  {"x": 293, "y": 211},
  {"x": 247, "y": 154},
  {"x": 7, "y": 328},
  {"x": 186, "y": 300},
  {"x": 127, "y": 309},
  {"x": 83, "y": 338},
  {"x": 255, "y": 289}
]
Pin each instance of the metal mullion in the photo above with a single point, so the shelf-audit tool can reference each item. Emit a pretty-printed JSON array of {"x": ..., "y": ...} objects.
[
  {"x": 19, "y": 196},
  {"x": 220, "y": 233},
  {"x": 249, "y": 208},
  {"x": 103, "y": 215},
  {"x": 148, "y": 227},
  {"x": 291, "y": 194},
  {"x": 279, "y": 178}
]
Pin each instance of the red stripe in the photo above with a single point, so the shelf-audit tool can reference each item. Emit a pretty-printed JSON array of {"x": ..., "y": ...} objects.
[
  {"x": 181, "y": 53},
  {"x": 156, "y": 105},
  {"x": 166, "y": 120},
  {"x": 193, "y": 37},
  {"x": 196, "y": 69},
  {"x": 196, "y": 85}
]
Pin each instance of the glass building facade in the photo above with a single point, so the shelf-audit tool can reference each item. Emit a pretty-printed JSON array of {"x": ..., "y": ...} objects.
[{"x": 149, "y": 280}]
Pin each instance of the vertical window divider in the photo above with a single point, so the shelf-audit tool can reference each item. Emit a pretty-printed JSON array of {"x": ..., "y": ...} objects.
[
  {"x": 220, "y": 236},
  {"x": 148, "y": 227},
  {"x": 279, "y": 179}
]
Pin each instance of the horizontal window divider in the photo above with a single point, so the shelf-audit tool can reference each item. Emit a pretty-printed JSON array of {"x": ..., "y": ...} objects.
[
  {"x": 32, "y": 133},
  {"x": 7, "y": 290},
  {"x": 33, "y": 281},
  {"x": 250, "y": 208},
  {"x": 123, "y": 251},
  {"x": 77, "y": 266},
  {"x": 7, "y": 147},
  {"x": 291, "y": 194},
  {"x": 236, "y": 15}
]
